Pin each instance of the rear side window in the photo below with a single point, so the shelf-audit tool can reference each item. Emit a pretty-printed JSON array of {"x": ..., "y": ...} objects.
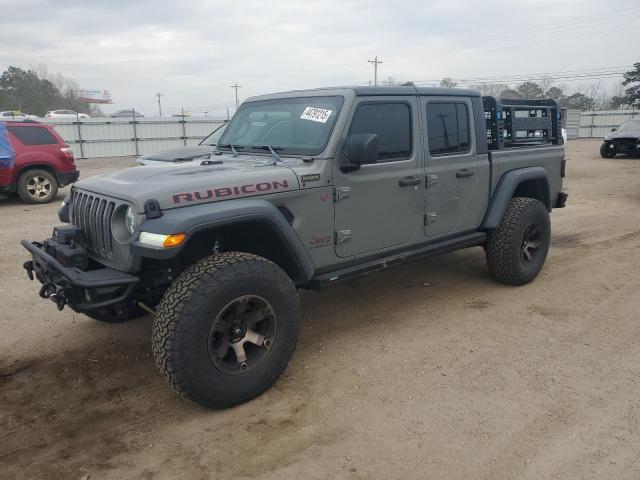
[
  {"x": 448, "y": 128},
  {"x": 33, "y": 135},
  {"x": 391, "y": 122}
]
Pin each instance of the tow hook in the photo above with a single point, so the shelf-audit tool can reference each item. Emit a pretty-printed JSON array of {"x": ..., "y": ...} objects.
[
  {"x": 46, "y": 290},
  {"x": 55, "y": 294}
]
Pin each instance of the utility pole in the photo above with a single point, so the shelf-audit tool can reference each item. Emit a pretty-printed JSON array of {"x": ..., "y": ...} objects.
[
  {"x": 375, "y": 64},
  {"x": 236, "y": 87},
  {"x": 159, "y": 103}
]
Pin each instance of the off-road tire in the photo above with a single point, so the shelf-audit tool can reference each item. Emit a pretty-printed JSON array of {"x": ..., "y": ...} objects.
[
  {"x": 40, "y": 176},
  {"x": 504, "y": 246},
  {"x": 109, "y": 315},
  {"x": 606, "y": 152},
  {"x": 184, "y": 318}
]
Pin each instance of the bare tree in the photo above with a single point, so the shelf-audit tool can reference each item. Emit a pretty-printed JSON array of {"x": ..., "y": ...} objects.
[{"x": 545, "y": 83}]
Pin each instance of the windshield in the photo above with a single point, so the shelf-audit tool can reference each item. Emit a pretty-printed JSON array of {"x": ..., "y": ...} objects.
[
  {"x": 630, "y": 125},
  {"x": 214, "y": 136},
  {"x": 294, "y": 126}
]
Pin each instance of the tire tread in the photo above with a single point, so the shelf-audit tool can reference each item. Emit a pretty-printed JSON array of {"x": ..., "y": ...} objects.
[{"x": 176, "y": 312}]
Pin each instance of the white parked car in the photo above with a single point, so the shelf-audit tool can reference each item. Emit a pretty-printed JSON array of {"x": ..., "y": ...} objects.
[{"x": 68, "y": 114}]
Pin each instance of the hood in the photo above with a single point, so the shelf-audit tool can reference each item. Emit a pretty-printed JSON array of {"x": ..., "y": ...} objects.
[
  {"x": 181, "y": 153},
  {"x": 631, "y": 133},
  {"x": 221, "y": 178}
]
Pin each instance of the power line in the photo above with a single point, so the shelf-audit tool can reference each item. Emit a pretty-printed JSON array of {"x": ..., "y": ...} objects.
[
  {"x": 375, "y": 64},
  {"x": 561, "y": 72},
  {"x": 603, "y": 72}
]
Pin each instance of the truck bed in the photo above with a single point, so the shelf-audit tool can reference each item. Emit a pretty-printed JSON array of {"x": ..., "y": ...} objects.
[{"x": 549, "y": 157}]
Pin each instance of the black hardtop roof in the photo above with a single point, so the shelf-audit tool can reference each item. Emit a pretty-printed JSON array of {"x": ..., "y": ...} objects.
[
  {"x": 411, "y": 90},
  {"x": 375, "y": 91}
]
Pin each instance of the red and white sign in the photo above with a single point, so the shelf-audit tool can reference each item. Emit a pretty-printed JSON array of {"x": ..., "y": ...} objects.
[{"x": 93, "y": 96}]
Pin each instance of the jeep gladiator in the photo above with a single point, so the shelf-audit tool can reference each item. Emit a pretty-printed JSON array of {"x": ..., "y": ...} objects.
[{"x": 304, "y": 189}]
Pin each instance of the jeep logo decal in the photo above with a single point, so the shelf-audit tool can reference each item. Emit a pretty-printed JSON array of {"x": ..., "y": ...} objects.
[{"x": 229, "y": 191}]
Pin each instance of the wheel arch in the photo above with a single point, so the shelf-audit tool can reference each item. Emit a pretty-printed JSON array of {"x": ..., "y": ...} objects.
[
  {"x": 531, "y": 182},
  {"x": 247, "y": 225},
  {"x": 36, "y": 166}
]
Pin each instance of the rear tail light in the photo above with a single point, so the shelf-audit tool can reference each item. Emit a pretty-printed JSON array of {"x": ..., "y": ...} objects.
[{"x": 67, "y": 152}]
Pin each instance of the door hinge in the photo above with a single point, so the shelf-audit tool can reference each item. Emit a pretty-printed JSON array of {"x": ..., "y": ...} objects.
[
  {"x": 341, "y": 193},
  {"x": 343, "y": 236},
  {"x": 431, "y": 181},
  {"x": 430, "y": 217}
]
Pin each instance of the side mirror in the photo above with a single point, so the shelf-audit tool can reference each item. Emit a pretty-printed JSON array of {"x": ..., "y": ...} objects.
[
  {"x": 613, "y": 129},
  {"x": 362, "y": 148}
]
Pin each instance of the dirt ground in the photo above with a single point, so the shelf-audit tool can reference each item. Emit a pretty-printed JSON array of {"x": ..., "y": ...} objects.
[{"x": 426, "y": 370}]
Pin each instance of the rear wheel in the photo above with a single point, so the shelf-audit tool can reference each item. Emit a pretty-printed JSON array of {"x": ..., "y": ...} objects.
[
  {"x": 517, "y": 249},
  {"x": 607, "y": 150},
  {"x": 226, "y": 329},
  {"x": 37, "y": 186}
]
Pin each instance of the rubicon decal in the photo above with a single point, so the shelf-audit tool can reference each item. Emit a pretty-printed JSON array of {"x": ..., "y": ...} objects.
[{"x": 230, "y": 192}]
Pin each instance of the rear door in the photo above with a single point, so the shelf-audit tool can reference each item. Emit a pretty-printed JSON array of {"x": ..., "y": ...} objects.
[
  {"x": 457, "y": 177},
  {"x": 381, "y": 205}
]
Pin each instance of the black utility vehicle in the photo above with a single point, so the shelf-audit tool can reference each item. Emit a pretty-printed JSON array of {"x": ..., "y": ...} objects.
[{"x": 625, "y": 139}]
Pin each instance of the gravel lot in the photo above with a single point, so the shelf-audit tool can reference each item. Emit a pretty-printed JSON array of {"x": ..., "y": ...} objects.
[{"x": 426, "y": 370}]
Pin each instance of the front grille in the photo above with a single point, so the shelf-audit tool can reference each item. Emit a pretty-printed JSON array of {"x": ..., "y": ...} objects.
[{"x": 93, "y": 213}]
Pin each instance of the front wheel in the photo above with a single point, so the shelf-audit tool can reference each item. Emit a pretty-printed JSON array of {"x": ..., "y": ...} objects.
[
  {"x": 607, "y": 150},
  {"x": 517, "y": 249},
  {"x": 226, "y": 328}
]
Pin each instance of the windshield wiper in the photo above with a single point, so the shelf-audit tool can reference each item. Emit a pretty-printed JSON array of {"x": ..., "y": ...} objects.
[
  {"x": 271, "y": 149},
  {"x": 231, "y": 146}
]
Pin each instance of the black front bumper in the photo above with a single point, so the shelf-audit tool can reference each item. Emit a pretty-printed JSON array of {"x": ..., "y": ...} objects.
[
  {"x": 82, "y": 290},
  {"x": 67, "y": 178},
  {"x": 8, "y": 189}
]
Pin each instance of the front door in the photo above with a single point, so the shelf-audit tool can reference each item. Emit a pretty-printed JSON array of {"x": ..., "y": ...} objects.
[
  {"x": 380, "y": 205},
  {"x": 456, "y": 175}
]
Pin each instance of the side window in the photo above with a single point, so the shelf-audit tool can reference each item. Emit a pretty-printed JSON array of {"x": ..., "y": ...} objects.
[
  {"x": 33, "y": 135},
  {"x": 391, "y": 122},
  {"x": 448, "y": 128}
]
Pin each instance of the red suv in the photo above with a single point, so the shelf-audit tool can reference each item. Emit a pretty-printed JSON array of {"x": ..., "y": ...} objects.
[{"x": 43, "y": 163}]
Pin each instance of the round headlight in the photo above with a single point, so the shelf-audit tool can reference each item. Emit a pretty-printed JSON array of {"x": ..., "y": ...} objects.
[{"x": 129, "y": 220}]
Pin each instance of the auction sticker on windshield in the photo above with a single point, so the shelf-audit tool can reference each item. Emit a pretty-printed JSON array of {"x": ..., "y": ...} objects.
[{"x": 316, "y": 114}]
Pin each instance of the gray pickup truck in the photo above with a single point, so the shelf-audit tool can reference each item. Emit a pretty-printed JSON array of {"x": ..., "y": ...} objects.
[{"x": 304, "y": 189}]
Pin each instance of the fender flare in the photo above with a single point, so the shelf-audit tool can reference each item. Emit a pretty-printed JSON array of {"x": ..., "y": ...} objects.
[
  {"x": 507, "y": 185},
  {"x": 193, "y": 219}
]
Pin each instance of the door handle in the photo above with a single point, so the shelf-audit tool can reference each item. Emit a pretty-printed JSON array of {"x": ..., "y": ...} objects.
[
  {"x": 409, "y": 181},
  {"x": 464, "y": 173}
]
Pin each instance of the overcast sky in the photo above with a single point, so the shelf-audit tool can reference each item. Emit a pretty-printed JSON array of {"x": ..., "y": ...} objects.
[{"x": 192, "y": 51}]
